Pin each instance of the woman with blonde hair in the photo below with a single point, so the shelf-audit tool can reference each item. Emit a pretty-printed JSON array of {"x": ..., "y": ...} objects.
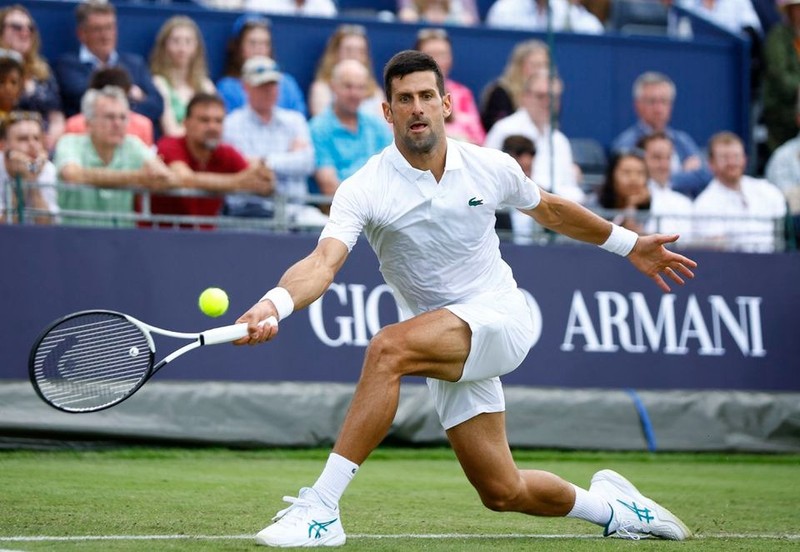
[
  {"x": 347, "y": 42},
  {"x": 18, "y": 32},
  {"x": 179, "y": 68},
  {"x": 501, "y": 97}
]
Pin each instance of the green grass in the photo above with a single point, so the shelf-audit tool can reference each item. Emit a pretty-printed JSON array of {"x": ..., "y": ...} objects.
[{"x": 735, "y": 502}]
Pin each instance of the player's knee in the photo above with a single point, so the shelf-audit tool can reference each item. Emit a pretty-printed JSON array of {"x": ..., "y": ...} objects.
[
  {"x": 384, "y": 354},
  {"x": 499, "y": 497}
]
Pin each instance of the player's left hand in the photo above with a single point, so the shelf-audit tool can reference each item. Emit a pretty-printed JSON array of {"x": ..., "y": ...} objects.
[{"x": 652, "y": 258}]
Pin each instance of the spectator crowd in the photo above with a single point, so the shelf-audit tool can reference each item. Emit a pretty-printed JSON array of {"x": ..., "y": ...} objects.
[{"x": 105, "y": 125}]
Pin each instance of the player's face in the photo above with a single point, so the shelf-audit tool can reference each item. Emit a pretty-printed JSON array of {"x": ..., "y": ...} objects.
[
  {"x": 204, "y": 126},
  {"x": 417, "y": 111},
  {"x": 658, "y": 158},
  {"x": 728, "y": 162},
  {"x": 654, "y": 106}
]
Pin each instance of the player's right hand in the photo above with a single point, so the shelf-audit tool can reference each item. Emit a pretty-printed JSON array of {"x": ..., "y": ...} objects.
[{"x": 258, "y": 326}]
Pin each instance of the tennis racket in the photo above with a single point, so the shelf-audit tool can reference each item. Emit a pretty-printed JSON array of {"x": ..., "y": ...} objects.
[{"x": 92, "y": 360}]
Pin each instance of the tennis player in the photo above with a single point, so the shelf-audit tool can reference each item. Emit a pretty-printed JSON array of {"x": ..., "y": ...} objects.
[{"x": 427, "y": 206}]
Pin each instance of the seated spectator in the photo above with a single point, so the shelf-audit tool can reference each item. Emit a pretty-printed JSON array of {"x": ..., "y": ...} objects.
[
  {"x": 203, "y": 162},
  {"x": 464, "y": 122},
  {"x": 553, "y": 169},
  {"x": 252, "y": 36},
  {"x": 25, "y": 158},
  {"x": 671, "y": 211},
  {"x": 138, "y": 125},
  {"x": 347, "y": 42},
  {"x": 11, "y": 81},
  {"x": 782, "y": 76},
  {"x": 653, "y": 98},
  {"x": 345, "y": 138},
  {"x": 732, "y": 15},
  {"x": 179, "y": 68},
  {"x": 501, "y": 97},
  {"x": 523, "y": 150},
  {"x": 736, "y": 211},
  {"x": 280, "y": 137},
  {"x": 541, "y": 15},
  {"x": 107, "y": 159},
  {"x": 783, "y": 170},
  {"x": 97, "y": 33},
  {"x": 438, "y": 12},
  {"x": 308, "y": 8},
  {"x": 40, "y": 89},
  {"x": 625, "y": 191}
]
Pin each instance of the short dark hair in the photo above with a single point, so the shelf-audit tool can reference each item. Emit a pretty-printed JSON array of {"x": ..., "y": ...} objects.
[
  {"x": 203, "y": 98},
  {"x": 645, "y": 140},
  {"x": 9, "y": 64},
  {"x": 407, "y": 62},
  {"x": 110, "y": 76},
  {"x": 516, "y": 145},
  {"x": 89, "y": 7}
]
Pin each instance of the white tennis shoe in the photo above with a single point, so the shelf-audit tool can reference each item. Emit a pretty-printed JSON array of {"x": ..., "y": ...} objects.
[
  {"x": 307, "y": 522},
  {"x": 634, "y": 515}
]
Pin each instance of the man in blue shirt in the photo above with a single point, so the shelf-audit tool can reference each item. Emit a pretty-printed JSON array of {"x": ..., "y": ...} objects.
[
  {"x": 343, "y": 137},
  {"x": 653, "y": 97}
]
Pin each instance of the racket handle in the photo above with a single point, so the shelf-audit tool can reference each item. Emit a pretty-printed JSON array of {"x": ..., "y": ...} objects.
[{"x": 226, "y": 334}]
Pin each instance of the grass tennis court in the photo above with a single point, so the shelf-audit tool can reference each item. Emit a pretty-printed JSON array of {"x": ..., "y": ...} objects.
[{"x": 403, "y": 499}]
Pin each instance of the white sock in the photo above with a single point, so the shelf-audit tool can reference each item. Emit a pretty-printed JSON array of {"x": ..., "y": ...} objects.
[
  {"x": 590, "y": 507},
  {"x": 333, "y": 480}
]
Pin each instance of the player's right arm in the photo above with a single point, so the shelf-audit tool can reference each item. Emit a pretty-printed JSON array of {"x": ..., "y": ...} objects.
[{"x": 305, "y": 281}]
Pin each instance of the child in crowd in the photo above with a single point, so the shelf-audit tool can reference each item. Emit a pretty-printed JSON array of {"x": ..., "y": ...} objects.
[{"x": 11, "y": 81}]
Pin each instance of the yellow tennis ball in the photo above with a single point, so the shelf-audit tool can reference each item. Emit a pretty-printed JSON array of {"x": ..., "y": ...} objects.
[{"x": 213, "y": 302}]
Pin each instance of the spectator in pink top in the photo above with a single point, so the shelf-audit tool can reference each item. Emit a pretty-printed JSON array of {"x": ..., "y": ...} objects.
[{"x": 464, "y": 123}]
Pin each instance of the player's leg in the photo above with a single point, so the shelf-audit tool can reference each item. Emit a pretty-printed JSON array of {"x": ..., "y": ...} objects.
[
  {"x": 482, "y": 449},
  {"x": 433, "y": 344}
]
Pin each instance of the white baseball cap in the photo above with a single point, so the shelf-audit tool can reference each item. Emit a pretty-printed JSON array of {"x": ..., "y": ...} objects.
[{"x": 259, "y": 70}]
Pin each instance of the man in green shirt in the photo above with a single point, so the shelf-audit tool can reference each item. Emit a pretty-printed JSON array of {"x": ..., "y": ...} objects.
[{"x": 107, "y": 159}]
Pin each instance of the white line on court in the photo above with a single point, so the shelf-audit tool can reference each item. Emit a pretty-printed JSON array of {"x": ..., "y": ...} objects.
[{"x": 432, "y": 536}]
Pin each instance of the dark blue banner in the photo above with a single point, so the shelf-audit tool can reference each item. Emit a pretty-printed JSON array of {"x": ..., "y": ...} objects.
[{"x": 602, "y": 324}]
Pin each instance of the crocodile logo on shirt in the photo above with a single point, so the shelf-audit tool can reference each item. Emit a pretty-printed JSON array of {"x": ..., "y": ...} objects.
[{"x": 473, "y": 202}]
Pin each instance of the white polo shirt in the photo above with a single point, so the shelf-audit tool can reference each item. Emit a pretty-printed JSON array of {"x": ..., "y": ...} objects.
[{"x": 436, "y": 242}]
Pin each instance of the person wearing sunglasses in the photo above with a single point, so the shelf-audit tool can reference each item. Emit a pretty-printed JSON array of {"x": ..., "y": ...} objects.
[{"x": 40, "y": 93}]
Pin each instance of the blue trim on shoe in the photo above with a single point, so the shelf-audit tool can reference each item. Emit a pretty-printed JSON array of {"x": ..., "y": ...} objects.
[{"x": 605, "y": 529}]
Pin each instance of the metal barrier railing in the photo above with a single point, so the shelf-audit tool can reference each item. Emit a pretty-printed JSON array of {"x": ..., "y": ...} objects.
[{"x": 760, "y": 234}]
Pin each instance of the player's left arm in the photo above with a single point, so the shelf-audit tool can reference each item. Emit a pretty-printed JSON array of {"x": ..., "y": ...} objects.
[{"x": 648, "y": 254}]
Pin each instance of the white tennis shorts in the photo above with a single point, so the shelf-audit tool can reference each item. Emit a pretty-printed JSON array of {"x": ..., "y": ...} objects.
[{"x": 502, "y": 333}]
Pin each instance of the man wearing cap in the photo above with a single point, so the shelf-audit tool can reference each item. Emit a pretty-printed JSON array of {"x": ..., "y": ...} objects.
[{"x": 279, "y": 137}]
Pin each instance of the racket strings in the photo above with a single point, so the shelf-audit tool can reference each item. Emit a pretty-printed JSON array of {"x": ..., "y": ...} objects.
[{"x": 91, "y": 360}]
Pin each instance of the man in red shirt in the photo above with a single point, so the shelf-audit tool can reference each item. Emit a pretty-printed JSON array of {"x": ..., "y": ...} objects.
[{"x": 203, "y": 163}]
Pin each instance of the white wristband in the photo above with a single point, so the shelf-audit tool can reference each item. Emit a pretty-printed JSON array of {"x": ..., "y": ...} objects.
[
  {"x": 282, "y": 301},
  {"x": 620, "y": 241}
]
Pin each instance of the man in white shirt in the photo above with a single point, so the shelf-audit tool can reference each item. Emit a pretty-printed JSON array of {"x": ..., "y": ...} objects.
[
  {"x": 532, "y": 15},
  {"x": 737, "y": 212},
  {"x": 553, "y": 168},
  {"x": 671, "y": 212},
  {"x": 426, "y": 205},
  {"x": 25, "y": 160}
]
